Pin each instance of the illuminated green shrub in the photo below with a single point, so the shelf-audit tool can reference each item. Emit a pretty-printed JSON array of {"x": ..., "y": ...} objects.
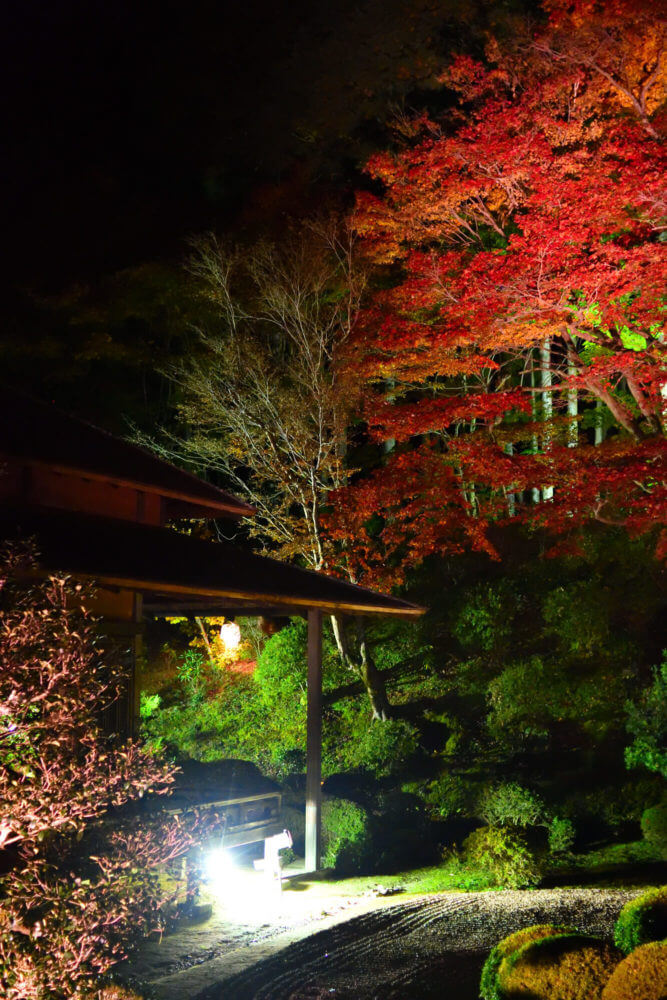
[
  {"x": 654, "y": 826},
  {"x": 346, "y": 836},
  {"x": 642, "y": 920},
  {"x": 504, "y": 854},
  {"x": 562, "y": 835},
  {"x": 567, "y": 967},
  {"x": 510, "y": 804},
  {"x": 640, "y": 976},
  {"x": 488, "y": 986}
]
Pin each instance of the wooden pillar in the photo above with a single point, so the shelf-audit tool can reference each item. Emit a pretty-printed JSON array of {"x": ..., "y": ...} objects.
[{"x": 314, "y": 742}]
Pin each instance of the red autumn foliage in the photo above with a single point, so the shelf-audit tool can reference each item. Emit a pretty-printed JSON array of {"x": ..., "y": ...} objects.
[
  {"x": 526, "y": 232},
  {"x": 78, "y": 866}
]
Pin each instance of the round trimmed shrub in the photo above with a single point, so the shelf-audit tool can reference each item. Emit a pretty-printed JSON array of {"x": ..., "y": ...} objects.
[
  {"x": 569, "y": 967},
  {"x": 654, "y": 827},
  {"x": 640, "y": 976},
  {"x": 347, "y": 843},
  {"x": 488, "y": 985},
  {"x": 504, "y": 854},
  {"x": 642, "y": 920}
]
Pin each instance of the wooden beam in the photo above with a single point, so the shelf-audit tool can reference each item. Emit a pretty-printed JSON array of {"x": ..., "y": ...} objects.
[
  {"x": 314, "y": 742},
  {"x": 348, "y": 607}
]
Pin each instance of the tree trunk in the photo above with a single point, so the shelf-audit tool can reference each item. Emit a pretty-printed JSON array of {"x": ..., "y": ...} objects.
[
  {"x": 599, "y": 424},
  {"x": 509, "y": 496},
  {"x": 535, "y": 492},
  {"x": 205, "y": 638},
  {"x": 362, "y": 664},
  {"x": 547, "y": 406},
  {"x": 572, "y": 408}
]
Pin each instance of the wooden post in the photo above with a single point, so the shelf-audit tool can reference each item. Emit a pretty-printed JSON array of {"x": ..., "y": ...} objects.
[{"x": 314, "y": 741}]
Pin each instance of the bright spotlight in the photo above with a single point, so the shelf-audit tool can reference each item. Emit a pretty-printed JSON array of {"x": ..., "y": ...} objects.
[
  {"x": 218, "y": 866},
  {"x": 230, "y": 636}
]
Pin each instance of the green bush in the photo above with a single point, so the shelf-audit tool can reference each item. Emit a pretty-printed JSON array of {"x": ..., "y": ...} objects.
[
  {"x": 640, "y": 976},
  {"x": 567, "y": 967},
  {"x": 529, "y": 698},
  {"x": 647, "y": 722},
  {"x": 488, "y": 986},
  {"x": 286, "y": 761},
  {"x": 449, "y": 795},
  {"x": 561, "y": 835},
  {"x": 654, "y": 826},
  {"x": 642, "y": 920},
  {"x": 616, "y": 804},
  {"x": 510, "y": 804},
  {"x": 504, "y": 854},
  {"x": 383, "y": 748},
  {"x": 346, "y": 836}
]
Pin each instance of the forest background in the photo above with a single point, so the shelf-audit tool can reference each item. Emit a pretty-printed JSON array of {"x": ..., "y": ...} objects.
[{"x": 448, "y": 380}]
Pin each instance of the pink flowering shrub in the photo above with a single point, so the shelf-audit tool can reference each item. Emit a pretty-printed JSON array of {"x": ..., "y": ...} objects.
[{"x": 78, "y": 861}]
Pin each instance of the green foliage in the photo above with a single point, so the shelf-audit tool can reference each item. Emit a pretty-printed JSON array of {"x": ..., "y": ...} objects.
[
  {"x": 615, "y": 804},
  {"x": 449, "y": 795},
  {"x": 529, "y": 698},
  {"x": 346, "y": 836},
  {"x": 191, "y": 673},
  {"x": 484, "y": 622},
  {"x": 510, "y": 804},
  {"x": 488, "y": 986},
  {"x": 381, "y": 747},
  {"x": 149, "y": 704},
  {"x": 505, "y": 855},
  {"x": 562, "y": 835},
  {"x": 642, "y": 920},
  {"x": 647, "y": 722},
  {"x": 640, "y": 976},
  {"x": 568, "y": 966},
  {"x": 654, "y": 826}
]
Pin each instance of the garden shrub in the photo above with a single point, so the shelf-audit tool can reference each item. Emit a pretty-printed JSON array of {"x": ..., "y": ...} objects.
[
  {"x": 447, "y": 796},
  {"x": 401, "y": 832},
  {"x": 504, "y": 854},
  {"x": 654, "y": 826},
  {"x": 640, "y": 976},
  {"x": 562, "y": 835},
  {"x": 642, "y": 920},
  {"x": 647, "y": 722},
  {"x": 510, "y": 804},
  {"x": 79, "y": 861},
  {"x": 488, "y": 986},
  {"x": 382, "y": 747},
  {"x": 569, "y": 967},
  {"x": 346, "y": 836}
]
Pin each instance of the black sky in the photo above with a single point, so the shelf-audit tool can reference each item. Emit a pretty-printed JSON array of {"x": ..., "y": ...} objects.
[
  {"x": 125, "y": 121},
  {"x": 131, "y": 123}
]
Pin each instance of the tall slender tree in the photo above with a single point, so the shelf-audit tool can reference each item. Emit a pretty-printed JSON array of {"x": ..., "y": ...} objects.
[{"x": 263, "y": 403}]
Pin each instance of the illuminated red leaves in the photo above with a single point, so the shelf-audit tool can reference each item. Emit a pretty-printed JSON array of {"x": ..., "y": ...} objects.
[{"x": 527, "y": 277}]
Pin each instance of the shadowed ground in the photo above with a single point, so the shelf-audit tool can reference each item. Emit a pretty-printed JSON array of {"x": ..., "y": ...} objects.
[{"x": 324, "y": 947}]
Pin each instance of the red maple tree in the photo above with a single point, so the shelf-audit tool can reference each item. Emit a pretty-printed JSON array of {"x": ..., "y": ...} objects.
[{"x": 514, "y": 358}]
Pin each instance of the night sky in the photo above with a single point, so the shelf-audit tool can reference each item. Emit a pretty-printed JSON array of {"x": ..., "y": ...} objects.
[{"x": 133, "y": 123}]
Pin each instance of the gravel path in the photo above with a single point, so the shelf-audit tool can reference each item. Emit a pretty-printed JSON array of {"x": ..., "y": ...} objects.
[
  {"x": 424, "y": 948},
  {"x": 429, "y": 947}
]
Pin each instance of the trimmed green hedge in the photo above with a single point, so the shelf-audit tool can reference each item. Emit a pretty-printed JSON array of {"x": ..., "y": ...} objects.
[
  {"x": 640, "y": 976},
  {"x": 488, "y": 986},
  {"x": 567, "y": 967},
  {"x": 642, "y": 920},
  {"x": 347, "y": 844}
]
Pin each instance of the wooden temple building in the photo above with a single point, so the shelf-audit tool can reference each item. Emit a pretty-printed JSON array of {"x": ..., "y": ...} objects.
[{"x": 99, "y": 507}]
